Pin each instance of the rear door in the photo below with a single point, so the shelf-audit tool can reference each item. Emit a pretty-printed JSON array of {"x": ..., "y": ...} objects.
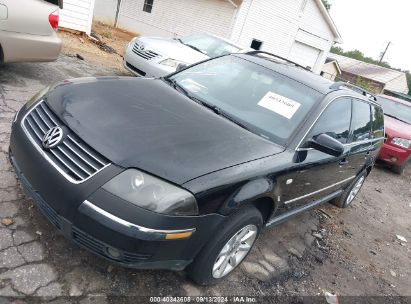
[{"x": 361, "y": 141}]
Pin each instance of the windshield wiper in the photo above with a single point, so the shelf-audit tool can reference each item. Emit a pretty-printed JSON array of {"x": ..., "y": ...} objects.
[
  {"x": 192, "y": 46},
  {"x": 177, "y": 86},
  {"x": 212, "y": 107},
  {"x": 395, "y": 117}
]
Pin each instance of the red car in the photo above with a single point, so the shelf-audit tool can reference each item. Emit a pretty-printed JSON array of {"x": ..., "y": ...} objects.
[{"x": 397, "y": 148}]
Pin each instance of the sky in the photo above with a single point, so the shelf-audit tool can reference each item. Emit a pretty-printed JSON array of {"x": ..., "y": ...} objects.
[{"x": 368, "y": 25}]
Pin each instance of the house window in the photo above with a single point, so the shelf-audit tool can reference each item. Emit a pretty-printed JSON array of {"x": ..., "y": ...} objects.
[{"x": 148, "y": 5}]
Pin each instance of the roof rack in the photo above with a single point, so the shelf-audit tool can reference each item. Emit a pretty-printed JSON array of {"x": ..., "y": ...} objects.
[
  {"x": 337, "y": 85},
  {"x": 276, "y": 56}
]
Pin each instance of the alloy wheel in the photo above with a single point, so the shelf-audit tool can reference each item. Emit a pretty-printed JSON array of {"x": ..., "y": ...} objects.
[
  {"x": 354, "y": 191},
  {"x": 234, "y": 251}
]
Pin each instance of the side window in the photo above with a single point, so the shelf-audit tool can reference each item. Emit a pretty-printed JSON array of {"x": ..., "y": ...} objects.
[
  {"x": 361, "y": 121},
  {"x": 377, "y": 116},
  {"x": 335, "y": 120}
]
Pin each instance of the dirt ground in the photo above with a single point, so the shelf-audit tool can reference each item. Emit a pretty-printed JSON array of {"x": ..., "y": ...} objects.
[
  {"x": 75, "y": 43},
  {"x": 350, "y": 252}
]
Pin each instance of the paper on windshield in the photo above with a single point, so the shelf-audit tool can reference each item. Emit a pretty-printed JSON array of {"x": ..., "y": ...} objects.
[{"x": 279, "y": 104}]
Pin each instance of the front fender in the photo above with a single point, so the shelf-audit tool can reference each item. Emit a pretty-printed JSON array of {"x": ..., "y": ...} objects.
[{"x": 248, "y": 193}]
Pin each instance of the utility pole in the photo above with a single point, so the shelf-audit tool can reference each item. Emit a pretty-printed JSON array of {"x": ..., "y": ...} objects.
[{"x": 383, "y": 54}]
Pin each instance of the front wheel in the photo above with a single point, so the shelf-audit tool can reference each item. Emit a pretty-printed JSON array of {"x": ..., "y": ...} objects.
[
  {"x": 348, "y": 196},
  {"x": 228, "y": 248}
]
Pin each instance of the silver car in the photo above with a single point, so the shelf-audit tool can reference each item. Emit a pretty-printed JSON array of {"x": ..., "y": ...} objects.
[
  {"x": 28, "y": 30},
  {"x": 157, "y": 57}
]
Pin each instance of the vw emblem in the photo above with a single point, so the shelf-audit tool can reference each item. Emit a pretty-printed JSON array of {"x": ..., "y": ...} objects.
[{"x": 52, "y": 138}]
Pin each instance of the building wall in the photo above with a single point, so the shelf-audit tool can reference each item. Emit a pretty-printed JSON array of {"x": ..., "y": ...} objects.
[
  {"x": 105, "y": 11},
  {"x": 77, "y": 15},
  {"x": 282, "y": 23},
  {"x": 329, "y": 71},
  {"x": 170, "y": 18}
]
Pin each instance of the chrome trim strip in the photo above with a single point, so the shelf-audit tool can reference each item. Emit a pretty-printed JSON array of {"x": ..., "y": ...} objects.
[
  {"x": 82, "y": 148},
  {"x": 326, "y": 106},
  {"x": 131, "y": 225},
  {"x": 347, "y": 145},
  {"x": 42, "y": 152},
  {"x": 79, "y": 156},
  {"x": 73, "y": 161},
  {"x": 76, "y": 172},
  {"x": 318, "y": 191}
]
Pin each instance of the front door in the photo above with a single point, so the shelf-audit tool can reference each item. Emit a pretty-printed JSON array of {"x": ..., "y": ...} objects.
[{"x": 318, "y": 174}]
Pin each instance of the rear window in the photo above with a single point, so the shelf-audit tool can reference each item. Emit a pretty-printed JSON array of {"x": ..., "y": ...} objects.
[
  {"x": 377, "y": 116},
  {"x": 361, "y": 121},
  {"x": 268, "y": 103}
]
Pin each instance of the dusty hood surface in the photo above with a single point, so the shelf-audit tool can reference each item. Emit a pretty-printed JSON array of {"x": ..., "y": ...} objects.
[{"x": 146, "y": 124}]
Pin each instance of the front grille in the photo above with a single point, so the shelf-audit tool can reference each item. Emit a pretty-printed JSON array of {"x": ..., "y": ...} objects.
[
  {"x": 100, "y": 248},
  {"x": 146, "y": 54},
  {"x": 73, "y": 158}
]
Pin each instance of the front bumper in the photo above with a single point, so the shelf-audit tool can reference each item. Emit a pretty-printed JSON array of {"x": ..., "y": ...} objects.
[
  {"x": 101, "y": 222},
  {"x": 145, "y": 67},
  {"x": 394, "y": 155}
]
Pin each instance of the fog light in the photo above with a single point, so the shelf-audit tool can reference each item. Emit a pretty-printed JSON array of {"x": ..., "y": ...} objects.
[
  {"x": 394, "y": 159},
  {"x": 113, "y": 252}
]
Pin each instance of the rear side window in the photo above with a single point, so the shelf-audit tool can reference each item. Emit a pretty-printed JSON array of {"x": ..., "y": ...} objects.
[
  {"x": 335, "y": 121},
  {"x": 377, "y": 116},
  {"x": 361, "y": 122}
]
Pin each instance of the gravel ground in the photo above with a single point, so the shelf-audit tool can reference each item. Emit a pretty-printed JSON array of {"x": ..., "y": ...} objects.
[{"x": 351, "y": 252}]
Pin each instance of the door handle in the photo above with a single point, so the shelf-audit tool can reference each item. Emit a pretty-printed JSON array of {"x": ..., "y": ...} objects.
[{"x": 343, "y": 162}]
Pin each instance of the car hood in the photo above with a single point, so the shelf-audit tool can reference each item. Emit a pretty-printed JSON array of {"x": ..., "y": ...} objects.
[
  {"x": 397, "y": 128},
  {"x": 174, "y": 49},
  {"x": 146, "y": 124}
]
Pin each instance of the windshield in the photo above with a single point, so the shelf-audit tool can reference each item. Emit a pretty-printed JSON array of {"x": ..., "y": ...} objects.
[
  {"x": 209, "y": 45},
  {"x": 265, "y": 102},
  {"x": 396, "y": 109}
]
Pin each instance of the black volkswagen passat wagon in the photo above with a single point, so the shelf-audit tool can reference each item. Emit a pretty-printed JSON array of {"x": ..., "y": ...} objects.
[{"x": 185, "y": 171}]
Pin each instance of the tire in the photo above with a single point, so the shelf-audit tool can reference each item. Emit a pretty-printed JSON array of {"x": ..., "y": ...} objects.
[
  {"x": 204, "y": 270},
  {"x": 345, "y": 200},
  {"x": 399, "y": 169}
]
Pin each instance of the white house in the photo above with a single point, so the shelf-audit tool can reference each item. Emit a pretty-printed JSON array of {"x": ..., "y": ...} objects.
[{"x": 300, "y": 30}]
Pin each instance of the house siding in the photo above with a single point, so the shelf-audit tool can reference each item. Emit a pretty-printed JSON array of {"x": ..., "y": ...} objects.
[
  {"x": 105, "y": 11},
  {"x": 171, "y": 18},
  {"x": 77, "y": 15},
  {"x": 279, "y": 24}
]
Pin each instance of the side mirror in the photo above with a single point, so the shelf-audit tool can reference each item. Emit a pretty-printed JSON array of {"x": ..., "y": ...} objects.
[
  {"x": 327, "y": 144},
  {"x": 181, "y": 66}
]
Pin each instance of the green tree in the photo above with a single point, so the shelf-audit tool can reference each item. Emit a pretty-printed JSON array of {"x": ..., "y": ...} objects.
[{"x": 363, "y": 83}]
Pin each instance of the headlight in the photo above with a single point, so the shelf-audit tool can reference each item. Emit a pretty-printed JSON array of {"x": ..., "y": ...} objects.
[
  {"x": 37, "y": 97},
  {"x": 405, "y": 143},
  {"x": 172, "y": 63},
  {"x": 149, "y": 192}
]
